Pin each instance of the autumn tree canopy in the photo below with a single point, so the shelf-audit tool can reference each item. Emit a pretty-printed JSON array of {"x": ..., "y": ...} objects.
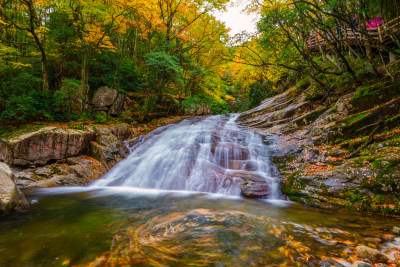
[{"x": 173, "y": 55}]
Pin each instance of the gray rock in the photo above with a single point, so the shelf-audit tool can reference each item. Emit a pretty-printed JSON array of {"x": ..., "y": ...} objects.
[
  {"x": 121, "y": 131},
  {"x": 330, "y": 263},
  {"x": 108, "y": 146},
  {"x": 118, "y": 105},
  {"x": 396, "y": 230},
  {"x": 24, "y": 175},
  {"x": 49, "y": 143},
  {"x": 43, "y": 171},
  {"x": 200, "y": 109},
  {"x": 10, "y": 196},
  {"x": 253, "y": 186},
  {"x": 371, "y": 254},
  {"x": 360, "y": 264},
  {"x": 79, "y": 170},
  {"x": 56, "y": 180},
  {"x": 104, "y": 97}
]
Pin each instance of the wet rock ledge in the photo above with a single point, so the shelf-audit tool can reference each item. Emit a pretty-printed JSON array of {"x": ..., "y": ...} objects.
[
  {"x": 60, "y": 156},
  {"x": 52, "y": 156},
  {"x": 343, "y": 154}
]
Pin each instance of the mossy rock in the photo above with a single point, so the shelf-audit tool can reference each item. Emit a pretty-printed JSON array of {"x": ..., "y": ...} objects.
[{"x": 370, "y": 96}]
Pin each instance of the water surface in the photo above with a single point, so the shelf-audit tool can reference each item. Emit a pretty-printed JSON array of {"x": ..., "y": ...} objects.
[
  {"x": 176, "y": 201},
  {"x": 128, "y": 226}
]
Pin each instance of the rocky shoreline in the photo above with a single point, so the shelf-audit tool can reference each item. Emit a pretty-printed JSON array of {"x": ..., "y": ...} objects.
[
  {"x": 55, "y": 156},
  {"x": 343, "y": 155}
]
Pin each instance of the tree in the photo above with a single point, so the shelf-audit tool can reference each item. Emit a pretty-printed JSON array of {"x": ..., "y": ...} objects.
[{"x": 29, "y": 16}]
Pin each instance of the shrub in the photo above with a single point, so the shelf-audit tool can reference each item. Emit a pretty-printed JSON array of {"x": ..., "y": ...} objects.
[{"x": 24, "y": 99}]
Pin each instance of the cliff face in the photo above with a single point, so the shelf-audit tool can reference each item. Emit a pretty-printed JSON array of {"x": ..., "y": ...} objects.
[{"x": 345, "y": 153}]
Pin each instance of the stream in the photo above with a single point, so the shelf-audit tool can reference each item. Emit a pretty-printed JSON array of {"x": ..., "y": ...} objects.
[{"x": 177, "y": 200}]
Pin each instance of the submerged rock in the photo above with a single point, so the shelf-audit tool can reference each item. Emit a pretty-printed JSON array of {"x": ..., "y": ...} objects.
[
  {"x": 396, "y": 230},
  {"x": 361, "y": 264},
  {"x": 371, "y": 254},
  {"x": 330, "y": 263}
]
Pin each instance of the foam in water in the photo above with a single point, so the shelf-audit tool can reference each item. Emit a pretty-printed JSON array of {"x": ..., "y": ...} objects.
[{"x": 207, "y": 154}]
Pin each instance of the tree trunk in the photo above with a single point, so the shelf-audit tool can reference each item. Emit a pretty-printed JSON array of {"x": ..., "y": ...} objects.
[
  {"x": 45, "y": 73},
  {"x": 43, "y": 60},
  {"x": 84, "y": 81},
  {"x": 365, "y": 40},
  {"x": 135, "y": 46},
  {"x": 40, "y": 43}
]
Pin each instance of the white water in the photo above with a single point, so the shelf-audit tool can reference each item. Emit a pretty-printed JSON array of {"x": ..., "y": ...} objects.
[{"x": 208, "y": 154}]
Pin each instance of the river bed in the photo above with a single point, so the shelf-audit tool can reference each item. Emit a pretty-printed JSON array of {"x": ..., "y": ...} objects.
[{"x": 140, "y": 227}]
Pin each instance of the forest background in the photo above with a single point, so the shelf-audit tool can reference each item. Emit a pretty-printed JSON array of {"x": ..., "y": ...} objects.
[{"x": 170, "y": 57}]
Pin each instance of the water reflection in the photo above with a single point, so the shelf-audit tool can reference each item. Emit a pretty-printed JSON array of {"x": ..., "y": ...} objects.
[{"x": 143, "y": 227}]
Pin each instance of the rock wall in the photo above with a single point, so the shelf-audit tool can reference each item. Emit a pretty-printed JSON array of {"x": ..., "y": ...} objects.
[{"x": 340, "y": 155}]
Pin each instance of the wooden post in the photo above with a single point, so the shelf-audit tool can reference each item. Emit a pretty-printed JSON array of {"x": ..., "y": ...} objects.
[{"x": 380, "y": 33}]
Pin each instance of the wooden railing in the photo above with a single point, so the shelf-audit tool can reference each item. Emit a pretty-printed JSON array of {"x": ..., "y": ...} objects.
[{"x": 382, "y": 33}]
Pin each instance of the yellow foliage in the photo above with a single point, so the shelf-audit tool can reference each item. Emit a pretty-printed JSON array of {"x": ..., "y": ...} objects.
[
  {"x": 94, "y": 37},
  {"x": 229, "y": 98},
  {"x": 17, "y": 65}
]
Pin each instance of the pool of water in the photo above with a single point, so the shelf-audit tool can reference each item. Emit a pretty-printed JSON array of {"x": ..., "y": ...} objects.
[{"x": 140, "y": 227}]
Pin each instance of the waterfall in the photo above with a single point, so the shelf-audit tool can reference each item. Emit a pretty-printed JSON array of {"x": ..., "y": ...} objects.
[{"x": 203, "y": 154}]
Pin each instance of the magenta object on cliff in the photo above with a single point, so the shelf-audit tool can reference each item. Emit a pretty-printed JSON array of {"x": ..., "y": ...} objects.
[{"x": 373, "y": 23}]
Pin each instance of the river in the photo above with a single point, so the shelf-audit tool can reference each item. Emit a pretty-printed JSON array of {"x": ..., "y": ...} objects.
[{"x": 177, "y": 200}]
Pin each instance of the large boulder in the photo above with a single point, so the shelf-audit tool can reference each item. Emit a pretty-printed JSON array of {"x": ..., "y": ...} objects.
[
  {"x": 44, "y": 145},
  {"x": 109, "y": 100},
  {"x": 104, "y": 97},
  {"x": 118, "y": 105},
  {"x": 10, "y": 196},
  {"x": 253, "y": 185}
]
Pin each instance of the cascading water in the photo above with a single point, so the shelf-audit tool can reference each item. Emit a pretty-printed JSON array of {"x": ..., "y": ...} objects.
[
  {"x": 204, "y": 154},
  {"x": 111, "y": 225}
]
